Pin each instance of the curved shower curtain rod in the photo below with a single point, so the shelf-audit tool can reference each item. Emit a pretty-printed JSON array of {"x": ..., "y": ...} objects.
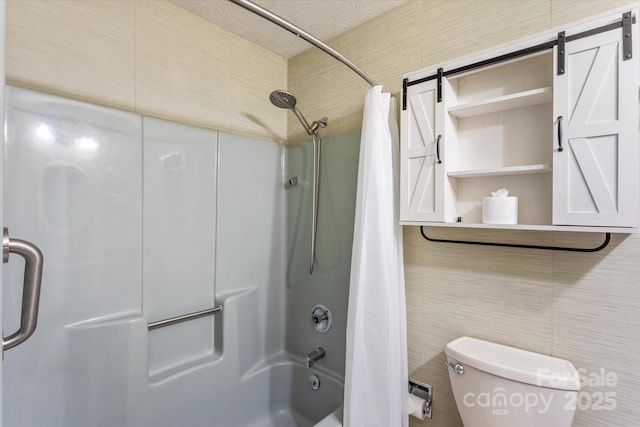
[{"x": 266, "y": 14}]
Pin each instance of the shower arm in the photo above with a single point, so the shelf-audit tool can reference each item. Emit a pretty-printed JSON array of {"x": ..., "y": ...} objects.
[
  {"x": 303, "y": 121},
  {"x": 270, "y": 16}
]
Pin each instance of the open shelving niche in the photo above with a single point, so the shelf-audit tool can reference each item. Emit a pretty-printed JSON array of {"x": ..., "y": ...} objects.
[{"x": 498, "y": 134}]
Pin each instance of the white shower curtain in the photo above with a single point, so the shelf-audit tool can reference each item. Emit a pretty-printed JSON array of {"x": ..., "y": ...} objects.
[{"x": 376, "y": 365}]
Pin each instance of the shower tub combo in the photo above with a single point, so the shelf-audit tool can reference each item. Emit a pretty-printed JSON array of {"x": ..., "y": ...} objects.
[{"x": 142, "y": 220}]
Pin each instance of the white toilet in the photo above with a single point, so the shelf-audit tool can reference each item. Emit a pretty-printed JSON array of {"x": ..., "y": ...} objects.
[{"x": 499, "y": 386}]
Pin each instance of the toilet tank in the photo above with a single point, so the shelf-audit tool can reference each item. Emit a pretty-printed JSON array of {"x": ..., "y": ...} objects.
[{"x": 500, "y": 386}]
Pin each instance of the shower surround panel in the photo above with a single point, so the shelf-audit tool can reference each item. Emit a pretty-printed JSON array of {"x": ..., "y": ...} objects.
[{"x": 141, "y": 219}]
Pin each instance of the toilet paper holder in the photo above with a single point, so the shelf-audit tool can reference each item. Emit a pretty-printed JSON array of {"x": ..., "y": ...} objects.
[{"x": 423, "y": 391}]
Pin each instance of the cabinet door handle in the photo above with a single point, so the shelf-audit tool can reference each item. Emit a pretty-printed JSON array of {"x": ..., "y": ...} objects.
[
  {"x": 560, "y": 134},
  {"x": 438, "y": 149}
]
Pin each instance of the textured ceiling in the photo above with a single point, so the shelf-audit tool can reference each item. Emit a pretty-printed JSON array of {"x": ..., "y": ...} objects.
[{"x": 322, "y": 18}]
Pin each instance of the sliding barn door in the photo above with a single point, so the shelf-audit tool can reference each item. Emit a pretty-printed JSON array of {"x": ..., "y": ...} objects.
[
  {"x": 422, "y": 180},
  {"x": 595, "y": 178}
]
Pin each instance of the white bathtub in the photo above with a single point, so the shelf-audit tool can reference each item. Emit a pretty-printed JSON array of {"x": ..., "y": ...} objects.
[
  {"x": 115, "y": 389},
  {"x": 290, "y": 401}
]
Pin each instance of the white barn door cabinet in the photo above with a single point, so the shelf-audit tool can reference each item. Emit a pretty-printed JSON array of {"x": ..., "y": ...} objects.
[
  {"x": 596, "y": 160},
  {"x": 552, "y": 118},
  {"x": 422, "y": 157}
]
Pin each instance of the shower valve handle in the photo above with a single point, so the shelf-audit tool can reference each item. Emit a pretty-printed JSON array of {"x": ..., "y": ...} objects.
[{"x": 319, "y": 318}]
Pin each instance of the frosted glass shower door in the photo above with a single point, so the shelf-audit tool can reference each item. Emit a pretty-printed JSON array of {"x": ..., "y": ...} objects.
[
  {"x": 73, "y": 184},
  {"x": 2, "y": 59}
]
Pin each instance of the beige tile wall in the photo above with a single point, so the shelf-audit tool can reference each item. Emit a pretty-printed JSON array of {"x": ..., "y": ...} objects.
[
  {"x": 582, "y": 307},
  {"x": 149, "y": 56}
]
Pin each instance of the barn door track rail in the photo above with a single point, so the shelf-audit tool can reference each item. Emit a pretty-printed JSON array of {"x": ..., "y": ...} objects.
[{"x": 624, "y": 24}]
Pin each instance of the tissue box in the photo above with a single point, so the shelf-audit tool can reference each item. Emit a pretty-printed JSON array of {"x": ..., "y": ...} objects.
[{"x": 500, "y": 210}]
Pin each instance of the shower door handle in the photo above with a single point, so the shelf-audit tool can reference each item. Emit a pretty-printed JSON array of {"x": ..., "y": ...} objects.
[{"x": 31, "y": 288}]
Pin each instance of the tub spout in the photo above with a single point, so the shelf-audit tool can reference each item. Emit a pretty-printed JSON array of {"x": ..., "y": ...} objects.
[{"x": 314, "y": 356}]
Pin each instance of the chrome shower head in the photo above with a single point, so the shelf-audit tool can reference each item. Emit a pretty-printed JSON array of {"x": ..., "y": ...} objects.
[{"x": 283, "y": 99}]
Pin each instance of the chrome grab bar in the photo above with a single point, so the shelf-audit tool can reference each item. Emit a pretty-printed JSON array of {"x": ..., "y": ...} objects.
[
  {"x": 31, "y": 289},
  {"x": 183, "y": 318}
]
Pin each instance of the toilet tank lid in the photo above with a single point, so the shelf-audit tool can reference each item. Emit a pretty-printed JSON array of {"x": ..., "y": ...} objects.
[{"x": 515, "y": 364}]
